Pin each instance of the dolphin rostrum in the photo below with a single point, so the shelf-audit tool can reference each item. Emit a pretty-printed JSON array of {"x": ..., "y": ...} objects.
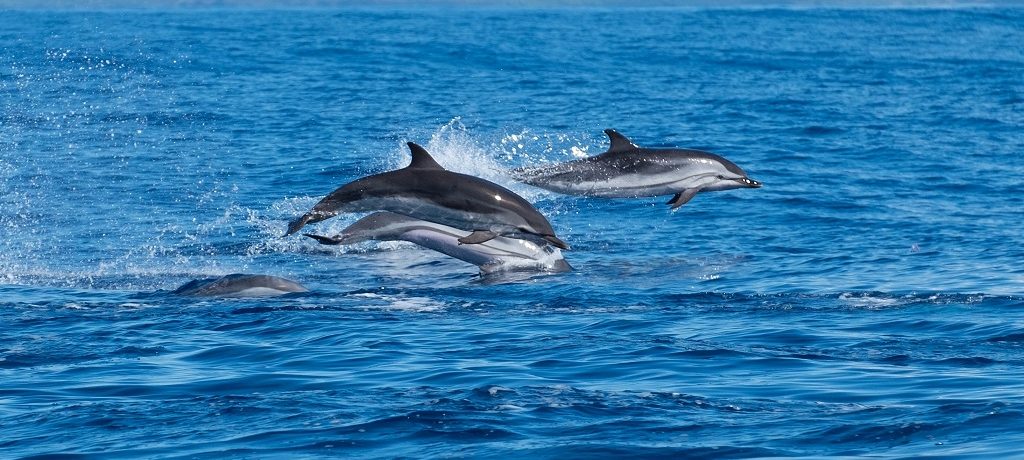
[
  {"x": 497, "y": 254},
  {"x": 424, "y": 190},
  {"x": 629, "y": 171},
  {"x": 239, "y": 285}
]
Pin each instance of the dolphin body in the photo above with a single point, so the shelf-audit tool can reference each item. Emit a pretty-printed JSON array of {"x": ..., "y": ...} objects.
[
  {"x": 629, "y": 171},
  {"x": 497, "y": 254},
  {"x": 424, "y": 190},
  {"x": 239, "y": 285}
]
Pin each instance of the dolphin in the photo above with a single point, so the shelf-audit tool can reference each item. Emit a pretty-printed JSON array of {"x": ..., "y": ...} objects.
[
  {"x": 497, "y": 254},
  {"x": 239, "y": 285},
  {"x": 425, "y": 190},
  {"x": 629, "y": 171}
]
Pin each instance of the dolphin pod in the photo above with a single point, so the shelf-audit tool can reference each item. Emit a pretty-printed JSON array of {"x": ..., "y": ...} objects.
[
  {"x": 485, "y": 224},
  {"x": 424, "y": 190},
  {"x": 629, "y": 171},
  {"x": 497, "y": 254}
]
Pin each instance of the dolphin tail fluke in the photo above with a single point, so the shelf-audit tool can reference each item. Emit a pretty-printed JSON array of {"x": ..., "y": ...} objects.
[
  {"x": 297, "y": 224},
  {"x": 556, "y": 242},
  {"x": 682, "y": 198},
  {"x": 311, "y": 217},
  {"x": 477, "y": 237},
  {"x": 323, "y": 239}
]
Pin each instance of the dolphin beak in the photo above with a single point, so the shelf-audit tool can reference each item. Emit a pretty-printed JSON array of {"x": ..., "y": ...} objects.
[
  {"x": 748, "y": 182},
  {"x": 556, "y": 242}
]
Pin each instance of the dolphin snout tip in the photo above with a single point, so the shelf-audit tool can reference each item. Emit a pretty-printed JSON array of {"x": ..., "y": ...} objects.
[{"x": 752, "y": 183}]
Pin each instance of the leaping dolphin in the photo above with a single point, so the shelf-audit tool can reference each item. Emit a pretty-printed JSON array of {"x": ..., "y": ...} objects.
[
  {"x": 629, "y": 171},
  {"x": 497, "y": 254},
  {"x": 239, "y": 285},
  {"x": 424, "y": 190}
]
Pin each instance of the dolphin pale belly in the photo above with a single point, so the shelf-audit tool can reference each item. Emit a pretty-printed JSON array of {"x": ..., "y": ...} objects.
[
  {"x": 497, "y": 254},
  {"x": 426, "y": 191},
  {"x": 240, "y": 285},
  {"x": 629, "y": 171}
]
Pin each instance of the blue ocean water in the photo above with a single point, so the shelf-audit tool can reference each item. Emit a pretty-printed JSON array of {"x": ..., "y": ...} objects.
[{"x": 868, "y": 301}]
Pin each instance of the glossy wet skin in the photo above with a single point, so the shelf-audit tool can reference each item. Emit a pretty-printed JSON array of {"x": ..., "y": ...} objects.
[
  {"x": 453, "y": 199},
  {"x": 628, "y": 171},
  {"x": 239, "y": 284},
  {"x": 498, "y": 254},
  {"x": 428, "y": 192}
]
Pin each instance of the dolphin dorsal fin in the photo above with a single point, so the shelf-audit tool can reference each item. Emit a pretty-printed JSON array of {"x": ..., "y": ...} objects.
[
  {"x": 620, "y": 143},
  {"x": 421, "y": 159}
]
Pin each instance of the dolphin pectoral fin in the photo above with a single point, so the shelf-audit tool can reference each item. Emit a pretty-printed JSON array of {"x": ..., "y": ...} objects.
[
  {"x": 478, "y": 236},
  {"x": 323, "y": 239},
  {"x": 682, "y": 197}
]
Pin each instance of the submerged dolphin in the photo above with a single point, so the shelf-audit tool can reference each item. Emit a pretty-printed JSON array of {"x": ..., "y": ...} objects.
[
  {"x": 239, "y": 285},
  {"x": 628, "y": 171},
  {"x": 497, "y": 254},
  {"x": 424, "y": 190}
]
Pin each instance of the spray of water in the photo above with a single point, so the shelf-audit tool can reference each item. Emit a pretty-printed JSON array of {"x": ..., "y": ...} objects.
[
  {"x": 239, "y": 237},
  {"x": 491, "y": 158}
]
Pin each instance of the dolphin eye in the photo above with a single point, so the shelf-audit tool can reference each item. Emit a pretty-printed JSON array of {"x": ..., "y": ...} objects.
[{"x": 721, "y": 177}]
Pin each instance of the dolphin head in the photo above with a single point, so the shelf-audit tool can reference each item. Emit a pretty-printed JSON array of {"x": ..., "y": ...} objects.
[
  {"x": 534, "y": 225},
  {"x": 540, "y": 237},
  {"x": 725, "y": 174},
  {"x": 537, "y": 228}
]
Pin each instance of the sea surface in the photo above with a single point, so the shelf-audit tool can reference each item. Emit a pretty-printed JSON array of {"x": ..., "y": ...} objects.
[{"x": 868, "y": 301}]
